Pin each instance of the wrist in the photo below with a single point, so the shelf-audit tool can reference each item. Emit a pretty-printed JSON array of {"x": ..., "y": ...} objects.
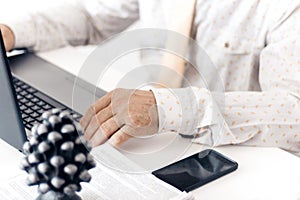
[
  {"x": 186, "y": 109},
  {"x": 177, "y": 109}
]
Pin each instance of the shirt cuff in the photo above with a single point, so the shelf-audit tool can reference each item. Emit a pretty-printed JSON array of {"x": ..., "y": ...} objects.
[
  {"x": 23, "y": 29},
  {"x": 184, "y": 110}
]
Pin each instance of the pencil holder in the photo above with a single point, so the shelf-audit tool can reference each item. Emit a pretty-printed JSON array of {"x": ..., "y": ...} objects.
[{"x": 57, "y": 157}]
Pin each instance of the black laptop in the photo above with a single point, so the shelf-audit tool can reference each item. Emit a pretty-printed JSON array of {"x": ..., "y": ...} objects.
[{"x": 21, "y": 105}]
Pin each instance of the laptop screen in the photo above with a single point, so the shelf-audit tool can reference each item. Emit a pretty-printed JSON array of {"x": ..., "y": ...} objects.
[{"x": 11, "y": 125}]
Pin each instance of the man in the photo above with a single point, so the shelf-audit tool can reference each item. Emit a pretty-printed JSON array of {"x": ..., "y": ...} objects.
[{"x": 254, "y": 44}]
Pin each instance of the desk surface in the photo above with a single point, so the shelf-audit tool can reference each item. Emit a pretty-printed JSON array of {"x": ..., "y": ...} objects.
[{"x": 263, "y": 173}]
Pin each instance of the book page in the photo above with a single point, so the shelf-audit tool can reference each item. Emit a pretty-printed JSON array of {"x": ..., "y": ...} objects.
[{"x": 107, "y": 182}]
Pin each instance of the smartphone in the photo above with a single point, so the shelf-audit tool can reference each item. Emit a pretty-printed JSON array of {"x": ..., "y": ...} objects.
[{"x": 196, "y": 170}]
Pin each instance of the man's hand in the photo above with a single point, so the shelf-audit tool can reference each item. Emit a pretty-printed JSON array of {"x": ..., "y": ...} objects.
[
  {"x": 8, "y": 37},
  {"x": 121, "y": 115}
]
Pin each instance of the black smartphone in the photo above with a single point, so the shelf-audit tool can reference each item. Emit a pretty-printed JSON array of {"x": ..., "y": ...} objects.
[{"x": 196, "y": 170}]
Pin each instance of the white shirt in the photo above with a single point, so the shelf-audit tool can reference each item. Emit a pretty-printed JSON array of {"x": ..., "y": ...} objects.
[{"x": 254, "y": 44}]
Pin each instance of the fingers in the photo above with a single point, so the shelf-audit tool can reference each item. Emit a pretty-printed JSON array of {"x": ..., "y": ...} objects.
[
  {"x": 107, "y": 129},
  {"x": 8, "y": 37},
  {"x": 94, "y": 109},
  {"x": 106, "y": 119},
  {"x": 97, "y": 121},
  {"x": 121, "y": 136}
]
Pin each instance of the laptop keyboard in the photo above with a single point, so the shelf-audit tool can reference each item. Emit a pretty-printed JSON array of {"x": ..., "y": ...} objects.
[{"x": 33, "y": 103}]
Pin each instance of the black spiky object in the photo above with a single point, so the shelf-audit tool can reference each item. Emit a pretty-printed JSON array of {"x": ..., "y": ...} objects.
[{"x": 57, "y": 157}]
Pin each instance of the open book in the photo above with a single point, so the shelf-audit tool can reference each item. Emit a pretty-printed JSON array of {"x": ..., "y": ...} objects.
[{"x": 112, "y": 179}]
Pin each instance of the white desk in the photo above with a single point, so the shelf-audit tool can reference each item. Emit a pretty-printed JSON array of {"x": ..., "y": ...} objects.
[{"x": 263, "y": 173}]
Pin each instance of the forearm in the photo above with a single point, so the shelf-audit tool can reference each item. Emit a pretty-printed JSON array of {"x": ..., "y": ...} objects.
[
  {"x": 47, "y": 28},
  {"x": 269, "y": 118},
  {"x": 70, "y": 23}
]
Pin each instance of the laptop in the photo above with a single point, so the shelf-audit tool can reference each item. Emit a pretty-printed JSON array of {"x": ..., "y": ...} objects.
[{"x": 22, "y": 104}]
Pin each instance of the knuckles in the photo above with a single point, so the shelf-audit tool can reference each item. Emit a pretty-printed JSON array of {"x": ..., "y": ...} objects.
[
  {"x": 131, "y": 107},
  {"x": 139, "y": 120}
]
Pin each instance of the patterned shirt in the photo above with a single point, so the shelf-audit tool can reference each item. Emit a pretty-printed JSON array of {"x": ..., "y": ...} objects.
[{"x": 255, "y": 46}]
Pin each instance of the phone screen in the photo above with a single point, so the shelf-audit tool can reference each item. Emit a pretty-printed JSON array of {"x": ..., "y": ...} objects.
[{"x": 196, "y": 170}]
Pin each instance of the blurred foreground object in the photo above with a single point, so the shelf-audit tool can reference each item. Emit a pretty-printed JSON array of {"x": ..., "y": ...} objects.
[{"x": 57, "y": 157}]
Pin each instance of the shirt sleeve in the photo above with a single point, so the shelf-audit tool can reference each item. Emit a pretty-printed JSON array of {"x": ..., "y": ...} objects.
[
  {"x": 267, "y": 118},
  {"x": 71, "y": 22}
]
